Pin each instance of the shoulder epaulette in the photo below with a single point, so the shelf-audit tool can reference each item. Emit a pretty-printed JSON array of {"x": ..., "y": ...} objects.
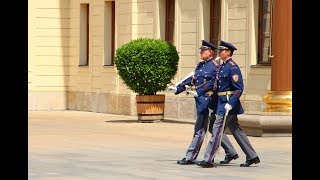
[
  {"x": 215, "y": 63},
  {"x": 232, "y": 63}
]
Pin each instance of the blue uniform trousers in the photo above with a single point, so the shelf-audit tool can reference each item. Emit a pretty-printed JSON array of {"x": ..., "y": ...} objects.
[
  {"x": 200, "y": 130},
  {"x": 236, "y": 131}
]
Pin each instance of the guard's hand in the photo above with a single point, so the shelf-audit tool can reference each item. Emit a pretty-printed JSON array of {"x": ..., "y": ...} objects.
[
  {"x": 172, "y": 88},
  {"x": 188, "y": 88},
  {"x": 228, "y": 107},
  {"x": 210, "y": 112},
  {"x": 194, "y": 93}
]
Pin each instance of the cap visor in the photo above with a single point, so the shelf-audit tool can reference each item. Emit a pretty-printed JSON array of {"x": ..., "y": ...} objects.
[
  {"x": 204, "y": 48},
  {"x": 222, "y": 48}
]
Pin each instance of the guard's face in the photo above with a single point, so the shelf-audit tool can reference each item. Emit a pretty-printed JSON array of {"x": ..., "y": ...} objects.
[
  {"x": 206, "y": 54},
  {"x": 224, "y": 53}
]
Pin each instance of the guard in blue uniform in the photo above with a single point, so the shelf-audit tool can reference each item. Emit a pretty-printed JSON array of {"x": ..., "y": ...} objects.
[
  {"x": 229, "y": 86},
  {"x": 204, "y": 72},
  {"x": 231, "y": 153}
]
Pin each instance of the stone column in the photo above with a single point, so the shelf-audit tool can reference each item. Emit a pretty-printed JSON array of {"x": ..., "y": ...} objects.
[{"x": 279, "y": 98}]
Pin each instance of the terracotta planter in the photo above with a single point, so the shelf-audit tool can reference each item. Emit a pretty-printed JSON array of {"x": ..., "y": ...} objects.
[{"x": 150, "y": 108}]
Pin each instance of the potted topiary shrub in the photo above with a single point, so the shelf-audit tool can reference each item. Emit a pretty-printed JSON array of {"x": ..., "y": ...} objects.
[{"x": 146, "y": 66}]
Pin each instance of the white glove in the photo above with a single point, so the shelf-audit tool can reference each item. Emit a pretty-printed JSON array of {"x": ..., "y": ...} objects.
[
  {"x": 210, "y": 111},
  {"x": 228, "y": 107},
  {"x": 194, "y": 93},
  {"x": 172, "y": 88}
]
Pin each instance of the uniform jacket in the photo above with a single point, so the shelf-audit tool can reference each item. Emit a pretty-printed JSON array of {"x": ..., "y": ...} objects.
[
  {"x": 229, "y": 79},
  {"x": 204, "y": 72}
]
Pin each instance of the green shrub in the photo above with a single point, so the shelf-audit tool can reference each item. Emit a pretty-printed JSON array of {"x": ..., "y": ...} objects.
[{"x": 147, "y": 65}]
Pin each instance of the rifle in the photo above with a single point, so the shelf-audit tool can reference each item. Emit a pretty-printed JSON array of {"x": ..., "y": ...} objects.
[{"x": 189, "y": 75}]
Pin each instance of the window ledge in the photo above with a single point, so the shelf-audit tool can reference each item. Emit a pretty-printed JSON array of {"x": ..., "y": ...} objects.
[
  {"x": 109, "y": 66},
  {"x": 261, "y": 66},
  {"x": 86, "y": 65}
]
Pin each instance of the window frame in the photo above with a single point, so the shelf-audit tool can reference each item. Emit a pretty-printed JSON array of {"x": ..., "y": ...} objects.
[
  {"x": 212, "y": 17},
  {"x": 169, "y": 19},
  {"x": 109, "y": 41},
  {"x": 113, "y": 31},
  {"x": 82, "y": 61},
  {"x": 260, "y": 34}
]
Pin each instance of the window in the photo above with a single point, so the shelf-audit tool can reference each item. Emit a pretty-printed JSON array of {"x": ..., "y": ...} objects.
[
  {"x": 84, "y": 35},
  {"x": 169, "y": 27},
  {"x": 264, "y": 34},
  {"x": 215, "y": 19},
  {"x": 109, "y": 32}
]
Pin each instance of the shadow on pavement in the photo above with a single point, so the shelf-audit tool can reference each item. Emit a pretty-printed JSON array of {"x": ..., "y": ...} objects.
[{"x": 162, "y": 121}]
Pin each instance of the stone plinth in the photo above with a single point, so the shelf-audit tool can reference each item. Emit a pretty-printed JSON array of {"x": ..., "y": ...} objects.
[{"x": 266, "y": 123}]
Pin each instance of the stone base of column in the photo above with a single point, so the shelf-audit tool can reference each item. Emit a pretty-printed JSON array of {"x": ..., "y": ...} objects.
[
  {"x": 278, "y": 101},
  {"x": 265, "y": 123}
]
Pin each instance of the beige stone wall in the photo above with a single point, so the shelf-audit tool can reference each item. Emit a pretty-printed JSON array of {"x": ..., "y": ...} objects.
[
  {"x": 258, "y": 78},
  {"x": 187, "y": 42},
  {"x": 48, "y": 54},
  {"x": 56, "y": 81},
  {"x": 235, "y": 30},
  {"x": 239, "y": 27},
  {"x": 96, "y": 87}
]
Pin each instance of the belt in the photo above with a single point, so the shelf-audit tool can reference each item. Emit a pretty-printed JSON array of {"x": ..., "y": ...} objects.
[
  {"x": 225, "y": 93},
  {"x": 209, "y": 92}
]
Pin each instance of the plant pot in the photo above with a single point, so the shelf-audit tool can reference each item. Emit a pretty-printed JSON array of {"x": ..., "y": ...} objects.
[{"x": 150, "y": 108}]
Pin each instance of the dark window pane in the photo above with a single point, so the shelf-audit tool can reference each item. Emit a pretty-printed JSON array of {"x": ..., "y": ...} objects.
[
  {"x": 266, "y": 6},
  {"x": 265, "y": 55},
  {"x": 265, "y": 49},
  {"x": 112, "y": 32},
  {"x": 266, "y": 42},
  {"x": 215, "y": 18},
  {"x": 216, "y": 8},
  {"x": 216, "y": 28},
  {"x": 266, "y": 24},
  {"x": 170, "y": 11},
  {"x": 170, "y": 31}
]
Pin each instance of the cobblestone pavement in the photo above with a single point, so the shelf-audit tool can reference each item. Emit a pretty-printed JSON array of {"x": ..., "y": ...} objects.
[{"x": 86, "y": 145}]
